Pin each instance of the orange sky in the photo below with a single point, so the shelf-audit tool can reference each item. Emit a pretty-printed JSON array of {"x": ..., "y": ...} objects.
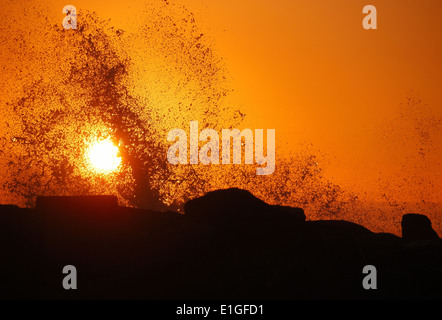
[{"x": 309, "y": 70}]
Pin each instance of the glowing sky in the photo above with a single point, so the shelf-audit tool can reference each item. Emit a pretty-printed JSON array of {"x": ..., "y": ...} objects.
[{"x": 309, "y": 70}]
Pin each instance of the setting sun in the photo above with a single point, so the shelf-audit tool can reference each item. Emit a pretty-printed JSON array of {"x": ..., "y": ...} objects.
[{"x": 103, "y": 156}]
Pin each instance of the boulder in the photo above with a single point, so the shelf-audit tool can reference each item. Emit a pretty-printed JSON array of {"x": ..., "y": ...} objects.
[
  {"x": 417, "y": 227},
  {"x": 341, "y": 228},
  {"x": 286, "y": 212},
  {"x": 236, "y": 206}
]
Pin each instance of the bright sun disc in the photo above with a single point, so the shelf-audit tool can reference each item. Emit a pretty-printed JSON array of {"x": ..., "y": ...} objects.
[{"x": 103, "y": 156}]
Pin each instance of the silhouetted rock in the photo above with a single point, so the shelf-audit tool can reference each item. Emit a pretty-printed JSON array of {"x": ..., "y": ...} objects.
[
  {"x": 228, "y": 245},
  {"x": 9, "y": 209},
  {"x": 339, "y": 227},
  {"x": 236, "y": 206},
  {"x": 417, "y": 227},
  {"x": 50, "y": 203},
  {"x": 293, "y": 213}
]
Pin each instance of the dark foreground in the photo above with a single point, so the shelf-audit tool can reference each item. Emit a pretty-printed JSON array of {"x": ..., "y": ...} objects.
[{"x": 228, "y": 245}]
